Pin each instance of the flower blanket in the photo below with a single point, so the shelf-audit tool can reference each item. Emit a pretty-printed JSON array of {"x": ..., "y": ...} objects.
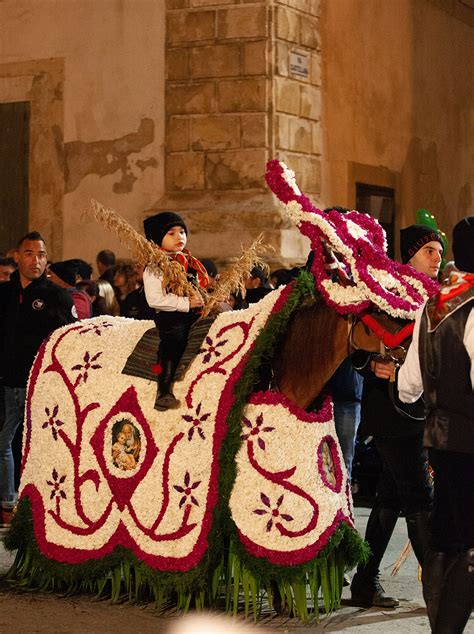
[{"x": 102, "y": 468}]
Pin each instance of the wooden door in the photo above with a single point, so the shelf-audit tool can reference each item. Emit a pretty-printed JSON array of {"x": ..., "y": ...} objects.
[{"x": 14, "y": 155}]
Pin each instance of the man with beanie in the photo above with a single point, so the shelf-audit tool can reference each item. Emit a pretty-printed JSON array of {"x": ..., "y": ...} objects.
[
  {"x": 403, "y": 486},
  {"x": 444, "y": 339},
  {"x": 422, "y": 248},
  {"x": 174, "y": 314},
  {"x": 31, "y": 307},
  {"x": 64, "y": 274}
]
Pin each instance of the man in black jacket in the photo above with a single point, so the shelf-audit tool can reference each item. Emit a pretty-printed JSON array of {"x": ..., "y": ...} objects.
[
  {"x": 31, "y": 307},
  {"x": 404, "y": 484}
]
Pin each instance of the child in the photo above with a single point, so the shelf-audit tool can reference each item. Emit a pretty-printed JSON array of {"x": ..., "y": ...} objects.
[
  {"x": 120, "y": 456},
  {"x": 174, "y": 314}
]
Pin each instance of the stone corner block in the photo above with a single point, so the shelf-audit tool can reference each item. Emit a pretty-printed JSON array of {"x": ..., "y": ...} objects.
[{"x": 185, "y": 171}]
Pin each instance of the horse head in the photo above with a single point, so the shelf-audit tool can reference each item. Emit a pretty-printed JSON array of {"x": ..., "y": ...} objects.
[{"x": 318, "y": 340}]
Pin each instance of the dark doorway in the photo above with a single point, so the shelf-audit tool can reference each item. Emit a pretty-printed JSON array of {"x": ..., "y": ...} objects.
[
  {"x": 379, "y": 202},
  {"x": 14, "y": 160}
]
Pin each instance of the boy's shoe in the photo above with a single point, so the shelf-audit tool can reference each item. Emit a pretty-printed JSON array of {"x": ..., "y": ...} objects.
[
  {"x": 166, "y": 401},
  {"x": 165, "y": 398},
  {"x": 6, "y": 517}
]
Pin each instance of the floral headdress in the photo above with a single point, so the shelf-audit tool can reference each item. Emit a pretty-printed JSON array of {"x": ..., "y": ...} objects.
[{"x": 354, "y": 246}]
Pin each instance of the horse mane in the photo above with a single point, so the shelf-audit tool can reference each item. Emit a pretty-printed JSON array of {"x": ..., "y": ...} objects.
[{"x": 310, "y": 351}]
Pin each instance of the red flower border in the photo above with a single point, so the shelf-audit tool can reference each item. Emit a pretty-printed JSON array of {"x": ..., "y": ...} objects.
[{"x": 300, "y": 556}]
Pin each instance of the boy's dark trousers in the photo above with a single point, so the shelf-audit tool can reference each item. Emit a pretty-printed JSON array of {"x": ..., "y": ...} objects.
[{"x": 173, "y": 327}]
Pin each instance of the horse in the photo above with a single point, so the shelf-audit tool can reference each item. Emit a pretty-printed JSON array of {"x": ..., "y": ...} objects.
[
  {"x": 79, "y": 509},
  {"x": 318, "y": 340}
]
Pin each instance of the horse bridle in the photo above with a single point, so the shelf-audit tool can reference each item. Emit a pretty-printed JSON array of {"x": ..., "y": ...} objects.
[
  {"x": 391, "y": 347},
  {"x": 396, "y": 353}
]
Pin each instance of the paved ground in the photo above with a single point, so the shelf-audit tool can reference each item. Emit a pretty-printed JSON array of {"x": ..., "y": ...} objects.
[{"x": 27, "y": 612}]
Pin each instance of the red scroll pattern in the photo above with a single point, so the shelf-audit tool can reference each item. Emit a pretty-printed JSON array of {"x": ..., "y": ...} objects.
[
  {"x": 83, "y": 505},
  {"x": 283, "y": 503}
]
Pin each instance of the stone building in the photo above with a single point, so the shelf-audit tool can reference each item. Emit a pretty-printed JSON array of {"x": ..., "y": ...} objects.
[{"x": 178, "y": 104}]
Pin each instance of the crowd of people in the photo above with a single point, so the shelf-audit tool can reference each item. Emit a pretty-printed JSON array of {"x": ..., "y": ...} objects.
[{"x": 37, "y": 296}]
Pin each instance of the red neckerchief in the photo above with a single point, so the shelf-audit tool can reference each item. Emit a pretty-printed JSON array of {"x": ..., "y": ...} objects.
[
  {"x": 187, "y": 261},
  {"x": 458, "y": 283}
]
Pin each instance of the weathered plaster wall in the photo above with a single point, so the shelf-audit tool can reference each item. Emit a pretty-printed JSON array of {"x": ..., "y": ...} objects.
[
  {"x": 397, "y": 94},
  {"x": 232, "y": 103},
  {"x": 111, "y": 145}
]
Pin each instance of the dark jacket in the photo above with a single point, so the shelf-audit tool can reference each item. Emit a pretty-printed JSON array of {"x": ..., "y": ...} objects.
[
  {"x": 379, "y": 416},
  {"x": 108, "y": 275},
  {"x": 27, "y": 316},
  {"x": 346, "y": 385},
  {"x": 445, "y": 368},
  {"x": 135, "y": 306}
]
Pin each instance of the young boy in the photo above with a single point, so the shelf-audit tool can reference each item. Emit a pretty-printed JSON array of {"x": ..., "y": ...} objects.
[{"x": 174, "y": 314}]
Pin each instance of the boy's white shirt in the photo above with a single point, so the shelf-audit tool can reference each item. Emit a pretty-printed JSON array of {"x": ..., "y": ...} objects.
[
  {"x": 158, "y": 299},
  {"x": 410, "y": 383}
]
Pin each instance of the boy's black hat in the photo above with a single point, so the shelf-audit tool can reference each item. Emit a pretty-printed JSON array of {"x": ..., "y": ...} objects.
[
  {"x": 463, "y": 244},
  {"x": 156, "y": 227},
  {"x": 65, "y": 271},
  {"x": 414, "y": 237}
]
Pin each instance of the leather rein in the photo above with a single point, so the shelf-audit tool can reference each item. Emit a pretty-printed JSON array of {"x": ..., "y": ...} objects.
[{"x": 391, "y": 349}]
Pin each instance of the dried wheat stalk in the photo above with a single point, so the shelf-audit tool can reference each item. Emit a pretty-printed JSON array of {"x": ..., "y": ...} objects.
[
  {"x": 232, "y": 278},
  {"x": 145, "y": 252}
]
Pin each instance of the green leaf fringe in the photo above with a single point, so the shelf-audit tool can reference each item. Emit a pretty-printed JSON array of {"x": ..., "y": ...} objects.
[{"x": 227, "y": 578}]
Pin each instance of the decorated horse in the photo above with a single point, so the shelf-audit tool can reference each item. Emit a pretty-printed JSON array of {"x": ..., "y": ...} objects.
[{"x": 242, "y": 492}]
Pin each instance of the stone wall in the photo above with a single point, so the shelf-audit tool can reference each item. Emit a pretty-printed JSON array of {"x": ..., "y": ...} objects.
[
  {"x": 297, "y": 123},
  {"x": 233, "y": 102},
  {"x": 397, "y": 104},
  {"x": 341, "y": 90},
  {"x": 93, "y": 73}
]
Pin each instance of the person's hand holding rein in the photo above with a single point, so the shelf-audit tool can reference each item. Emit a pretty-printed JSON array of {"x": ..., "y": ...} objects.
[{"x": 383, "y": 369}]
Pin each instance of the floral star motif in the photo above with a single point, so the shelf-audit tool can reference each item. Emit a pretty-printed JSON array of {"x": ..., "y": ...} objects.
[
  {"x": 87, "y": 365},
  {"x": 187, "y": 490},
  {"x": 196, "y": 421},
  {"x": 211, "y": 350},
  {"x": 274, "y": 512},
  {"x": 95, "y": 328},
  {"x": 255, "y": 430},
  {"x": 55, "y": 483},
  {"x": 53, "y": 422}
]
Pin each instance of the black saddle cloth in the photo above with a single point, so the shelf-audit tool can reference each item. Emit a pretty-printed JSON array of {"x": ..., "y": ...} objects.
[{"x": 143, "y": 356}]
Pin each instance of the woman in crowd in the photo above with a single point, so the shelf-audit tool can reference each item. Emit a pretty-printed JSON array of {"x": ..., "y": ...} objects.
[
  {"x": 107, "y": 293},
  {"x": 125, "y": 282}
]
